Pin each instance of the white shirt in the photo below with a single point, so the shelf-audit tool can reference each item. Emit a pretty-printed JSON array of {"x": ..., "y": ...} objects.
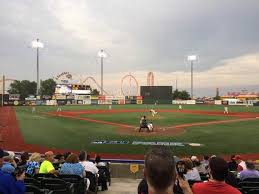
[
  {"x": 192, "y": 175},
  {"x": 89, "y": 166},
  {"x": 243, "y": 165}
]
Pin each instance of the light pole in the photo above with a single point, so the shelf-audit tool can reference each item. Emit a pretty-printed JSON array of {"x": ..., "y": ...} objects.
[
  {"x": 37, "y": 44},
  {"x": 102, "y": 54},
  {"x": 192, "y": 58}
]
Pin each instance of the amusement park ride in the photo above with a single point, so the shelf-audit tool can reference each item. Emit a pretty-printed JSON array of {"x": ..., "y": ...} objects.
[{"x": 129, "y": 85}]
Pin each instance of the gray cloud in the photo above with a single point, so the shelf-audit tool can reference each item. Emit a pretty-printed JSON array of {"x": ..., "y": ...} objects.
[{"x": 146, "y": 35}]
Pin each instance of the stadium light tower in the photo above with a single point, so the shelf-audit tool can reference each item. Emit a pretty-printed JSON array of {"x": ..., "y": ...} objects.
[
  {"x": 102, "y": 54},
  {"x": 37, "y": 45},
  {"x": 192, "y": 58}
]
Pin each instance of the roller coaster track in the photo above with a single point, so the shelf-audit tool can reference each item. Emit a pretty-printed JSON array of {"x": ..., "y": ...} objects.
[{"x": 98, "y": 85}]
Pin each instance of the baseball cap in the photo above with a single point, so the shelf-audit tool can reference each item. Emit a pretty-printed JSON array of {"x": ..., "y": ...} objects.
[
  {"x": 3, "y": 153},
  {"x": 237, "y": 157}
]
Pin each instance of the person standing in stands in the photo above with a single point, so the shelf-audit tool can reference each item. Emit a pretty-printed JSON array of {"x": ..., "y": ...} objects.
[
  {"x": 232, "y": 165},
  {"x": 241, "y": 165},
  {"x": 10, "y": 184},
  {"x": 160, "y": 172},
  {"x": 46, "y": 166},
  {"x": 218, "y": 170}
]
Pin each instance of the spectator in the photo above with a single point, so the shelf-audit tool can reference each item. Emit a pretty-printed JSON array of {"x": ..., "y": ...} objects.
[
  {"x": 88, "y": 165},
  {"x": 218, "y": 170},
  {"x": 201, "y": 168},
  {"x": 98, "y": 161},
  {"x": 250, "y": 172},
  {"x": 8, "y": 183},
  {"x": 47, "y": 166},
  {"x": 160, "y": 172},
  {"x": 24, "y": 158},
  {"x": 8, "y": 165},
  {"x": 33, "y": 164},
  {"x": 241, "y": 164},
  {"x": 232, "y": 165},
  {"x": 66, "y": 155},
  {"x": 192, "y": 173},
  {"x": 205, "y": 162},
  {"x": 60, "y": 159},
  {"x": 72, "y": 166}
]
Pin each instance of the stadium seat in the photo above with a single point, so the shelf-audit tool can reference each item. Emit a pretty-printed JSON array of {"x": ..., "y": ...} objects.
[
  {"x": 79, "y": 182},
  {"x": 32, "y": 189},
  {"x": 253, "y": 191},
  {"x": 93, "y": 181},
  {"x": 32, "y": 181},
  {"x": 56, "y": 184},
  {"x": 251, "y": 180},
  {"x": 40, "y": 176},
  {"x": 247, "y": 185}
]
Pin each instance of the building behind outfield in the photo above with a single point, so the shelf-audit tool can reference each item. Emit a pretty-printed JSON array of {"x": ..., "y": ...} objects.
[{"x": 156, "y": 94}]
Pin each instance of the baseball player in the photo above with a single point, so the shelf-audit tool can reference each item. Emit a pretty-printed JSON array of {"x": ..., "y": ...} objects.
[
  {"x": 153, "y": 112},
  {"x": 180, "y": 107},
  {"x": 225, "y": 110}
]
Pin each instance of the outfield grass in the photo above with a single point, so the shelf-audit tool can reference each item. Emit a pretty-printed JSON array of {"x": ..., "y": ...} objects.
[{"x": 58, "y": 132}]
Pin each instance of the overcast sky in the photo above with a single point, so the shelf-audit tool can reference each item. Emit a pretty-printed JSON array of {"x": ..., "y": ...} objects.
[{"x": 139, "y": 36}]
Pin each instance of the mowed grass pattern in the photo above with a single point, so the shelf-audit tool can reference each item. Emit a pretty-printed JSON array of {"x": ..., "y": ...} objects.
[{"x": 58, "y": 132}]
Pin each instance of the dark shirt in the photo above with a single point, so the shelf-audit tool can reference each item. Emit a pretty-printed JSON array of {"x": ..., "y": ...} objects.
[{"x": 232, "y": 166}]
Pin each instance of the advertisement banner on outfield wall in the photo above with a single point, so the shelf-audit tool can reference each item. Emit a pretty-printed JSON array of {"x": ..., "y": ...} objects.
[
  {"x": 101, "y": 101},
  {"x": 139, "y": 98},
  {"x": 108, "y": 97},
  {"x": 119, "y": 98},
  {"x": 94, "y": 98},
  {"x": 121, "y": 101},
  {"x": 127, "y": 101},
  {"x": 139, "y": 102},
  {"x": 115, "y": 102},
  {"x": 108, "y": 101},
  {"x": 88, "y": 102},
  {"x": 183, "y": 102},
  {"x": 218, "y": 102},
  {"x": 94, "y": 101},
  {"x": 101, "y": 98}
]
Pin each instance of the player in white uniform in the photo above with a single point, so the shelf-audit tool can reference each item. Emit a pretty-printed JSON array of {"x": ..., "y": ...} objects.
[
  {"x": 180, "y": 107},
  {"x": 225, "y": 110},
  {"x": 58, "y": 107},
  {"x": 153, "y": 112},
  {"x": 33, "y": 109},
  {"x": 150, "y": 127}
]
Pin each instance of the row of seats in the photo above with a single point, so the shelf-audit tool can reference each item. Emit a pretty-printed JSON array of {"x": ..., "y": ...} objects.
[{"x": 51, "y": 184}]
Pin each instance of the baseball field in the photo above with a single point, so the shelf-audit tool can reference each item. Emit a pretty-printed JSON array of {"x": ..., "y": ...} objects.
[{"x": 196, "y": 129}]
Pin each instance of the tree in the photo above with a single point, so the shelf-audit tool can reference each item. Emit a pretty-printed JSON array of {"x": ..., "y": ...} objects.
[
  {"x": 47, "y": 87},
  {"x": 24, "y": 88},
  {"x": 183, "y": 95},
  {"x": 95, "y": 92}
]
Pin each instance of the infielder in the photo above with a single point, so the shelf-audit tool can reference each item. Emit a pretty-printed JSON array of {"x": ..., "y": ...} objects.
[
  {"x": 153, "y": 112},
  {"x": 180, "y": 107}
]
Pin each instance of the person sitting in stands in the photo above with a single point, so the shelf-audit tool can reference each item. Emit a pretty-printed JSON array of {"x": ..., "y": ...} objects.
[
  {"x": 33, "y": 164},
  {"x": 47, "y": 166},
  {"x": 160, "y": 172},
  {"x": 232, "y": 165},
  {"x": 9, "y": 164},
  {"x": 10, "y": 184},
  {"x": 250, "y": 172},
  {"x": 192, "y": 172},
  {"x": 241, "y": 165},
  {"x": 218, "y": 170},
  {"x": 72, "y": 166},
  {"x": 88, "y": 165},
  {"x": 98, "y": 161},
  {"x": 24, "y": 158}
]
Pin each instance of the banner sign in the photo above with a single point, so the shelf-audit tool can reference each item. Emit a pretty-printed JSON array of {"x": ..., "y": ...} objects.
[
  {"x": 148, "y": 143},
  {"x": 14, "y": 96}
]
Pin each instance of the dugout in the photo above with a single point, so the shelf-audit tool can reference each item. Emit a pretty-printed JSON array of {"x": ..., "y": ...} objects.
[{"x": 156, "y": 94}]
